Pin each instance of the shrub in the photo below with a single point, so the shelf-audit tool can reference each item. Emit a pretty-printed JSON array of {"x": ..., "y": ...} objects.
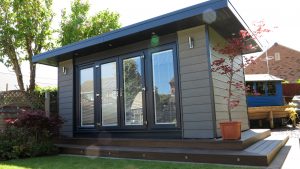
[{"x": 31, "y": 134}]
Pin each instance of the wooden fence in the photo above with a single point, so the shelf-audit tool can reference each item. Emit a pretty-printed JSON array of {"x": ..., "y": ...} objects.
[
  {"x": 290, "y": 90},
  {"x": 13, "y": 102}
]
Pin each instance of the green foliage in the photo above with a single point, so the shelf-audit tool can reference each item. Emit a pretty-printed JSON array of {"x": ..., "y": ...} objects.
[
  {"x": 285, "y": 82},
  {"x": 29, "y": 135},
  {"x": 77, "y": 25},
  {"x": 42, "y": 90},
  {"x": 293, "y": 114},
  {"x": 24, "y": 32},
  {"x": 298, "y": 81}
]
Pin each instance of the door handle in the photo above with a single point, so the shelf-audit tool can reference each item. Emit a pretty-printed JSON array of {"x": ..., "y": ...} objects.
[
  {"x": 121, "y": 92},
  {"x": 146, "y": 123}
]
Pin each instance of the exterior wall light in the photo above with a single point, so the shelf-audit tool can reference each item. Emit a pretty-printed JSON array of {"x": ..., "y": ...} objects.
[
  {"x": 191, "y": 42},
  {"x": 64, "y": 70}
]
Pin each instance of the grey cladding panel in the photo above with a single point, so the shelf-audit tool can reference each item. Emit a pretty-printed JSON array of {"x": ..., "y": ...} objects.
[
  {"x": 198, "y": 134},
  {"x": 220, "y": 88},
  {"x": 65, "y": 94},
  {"x": 195, "y": 92},
  {"x": 197, "y": 109},
  {"x": 185, "y": 85},
  {"x": 195, "y": 89}
]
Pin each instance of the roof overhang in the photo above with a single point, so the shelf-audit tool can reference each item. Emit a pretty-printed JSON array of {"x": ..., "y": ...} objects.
[
  {"x": 261, "y": 78},
  {"x": 227, "y": 22}
]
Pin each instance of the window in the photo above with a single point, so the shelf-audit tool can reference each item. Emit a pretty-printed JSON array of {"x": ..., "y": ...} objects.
[
  {"x": 277, "y": 56},
  {"x": 133, "y": 93},
  {"x": 109, "y": 94},
  {"x": 87, "y": 97},
  {"x": 261, "y": 88},
  {"x": 271, "y": 88},
  {"x": 164, "y": 87},
  {"x": 250, "y": 88}
]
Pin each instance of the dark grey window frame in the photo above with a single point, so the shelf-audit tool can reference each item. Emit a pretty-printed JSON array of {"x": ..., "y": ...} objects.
[{"x": 147, "y": 95}]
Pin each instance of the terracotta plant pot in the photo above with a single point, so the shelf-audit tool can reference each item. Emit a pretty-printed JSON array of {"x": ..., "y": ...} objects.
[{"x": 231, "y": 130}]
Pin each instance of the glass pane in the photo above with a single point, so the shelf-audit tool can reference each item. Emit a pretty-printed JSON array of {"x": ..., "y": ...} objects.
[
  {"x": 109, "y": 94},
  {"x": 271, "y": 88},
  {"x": 260, "y": 89},
  {"x": 87, "y": 96},
  {"x": 133, "y": 96},
  {"x": 164, "y": 87},
  {"x": 250, "y": 88}
]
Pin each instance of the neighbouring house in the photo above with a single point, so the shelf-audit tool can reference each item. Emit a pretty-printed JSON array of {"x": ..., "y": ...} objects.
[
  {"x": 283, "y": 62},
  {"x": 151, "y": 79},
  {"x": 264, "y": 90}
]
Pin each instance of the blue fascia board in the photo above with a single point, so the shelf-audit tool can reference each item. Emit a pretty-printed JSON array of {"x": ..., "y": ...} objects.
[{"x": 135, "y": 28}]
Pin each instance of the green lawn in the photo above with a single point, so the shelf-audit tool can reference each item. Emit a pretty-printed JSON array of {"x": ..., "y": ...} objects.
[{"x": 76, "y": 162}]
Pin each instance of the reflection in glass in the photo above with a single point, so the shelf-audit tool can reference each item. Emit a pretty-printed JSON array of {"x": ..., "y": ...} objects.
[
  {"x": 133, "y": 97},
  {"x": 109, "y": 94},
  {"x": 164, "y": 87},
  {"x": 87, "y": 96}
]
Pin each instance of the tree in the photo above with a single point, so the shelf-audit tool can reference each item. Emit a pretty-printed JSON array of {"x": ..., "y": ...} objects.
[
  {"x": 232, "y": 49},
  {"x": 133, "y": 80},
  {"x": 77, "y": 25},
  {"x": 24, "y": 32}
]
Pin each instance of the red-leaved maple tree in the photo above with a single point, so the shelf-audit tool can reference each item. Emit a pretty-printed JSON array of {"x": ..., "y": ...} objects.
[{"x": 233, "y": 49}]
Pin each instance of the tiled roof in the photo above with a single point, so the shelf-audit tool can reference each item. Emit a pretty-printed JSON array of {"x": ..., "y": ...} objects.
[{"x": 284, "y": 62}]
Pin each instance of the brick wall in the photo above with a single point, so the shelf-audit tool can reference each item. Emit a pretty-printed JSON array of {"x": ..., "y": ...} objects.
[{"x": 287, "y": 68}]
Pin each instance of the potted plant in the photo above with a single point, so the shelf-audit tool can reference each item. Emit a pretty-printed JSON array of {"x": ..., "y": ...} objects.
[{"x": 226, "y": 66}]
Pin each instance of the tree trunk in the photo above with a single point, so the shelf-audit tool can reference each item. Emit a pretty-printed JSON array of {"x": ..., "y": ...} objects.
[
  {"x": 11, "y": 52},
  {"x": 229, "y": 90},
  {"x": 32, "y": 76},
  {"x": 18, "y": 72},
  {"x": 32, "y": 66}
]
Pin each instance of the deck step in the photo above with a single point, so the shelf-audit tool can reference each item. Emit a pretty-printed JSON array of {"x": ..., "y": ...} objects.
[
  {"x": 268, "y": 147},
  {"x": 248, "y": 137},
  {"x": 258, "y": 154}
]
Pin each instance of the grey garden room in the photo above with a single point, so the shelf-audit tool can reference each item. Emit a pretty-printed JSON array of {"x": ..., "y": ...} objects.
[{"x": 150, "y": 85}]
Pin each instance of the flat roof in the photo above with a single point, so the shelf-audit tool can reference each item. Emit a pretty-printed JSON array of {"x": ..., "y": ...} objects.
[
  {"x": 228, "y": 21},
  {"x": 261, "y": 77}
]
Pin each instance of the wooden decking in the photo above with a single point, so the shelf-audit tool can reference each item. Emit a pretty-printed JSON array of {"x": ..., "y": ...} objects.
[
  {"x": 256, "y": 147},
  {"x": 268, "y": 112}
]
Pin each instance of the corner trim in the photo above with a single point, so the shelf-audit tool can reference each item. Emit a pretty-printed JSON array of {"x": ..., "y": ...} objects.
[{"x": 213, "y": 108}]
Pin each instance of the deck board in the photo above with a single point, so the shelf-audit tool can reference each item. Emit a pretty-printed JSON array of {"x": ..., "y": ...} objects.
[
  {"x": 248, "y": 137},
  {"x": 260, "y": 153}
]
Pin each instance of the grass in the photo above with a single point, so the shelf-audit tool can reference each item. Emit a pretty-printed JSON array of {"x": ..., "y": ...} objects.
[{"x": 78, "y": 162}]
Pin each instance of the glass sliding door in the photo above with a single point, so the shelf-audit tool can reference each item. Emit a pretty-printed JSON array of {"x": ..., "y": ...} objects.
[
  {"x": 164, "y": 88},
  {"x": 87, "y": 97},
  {"x": 109, "y": 94},
  {"x": 133, "y": 91}
]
